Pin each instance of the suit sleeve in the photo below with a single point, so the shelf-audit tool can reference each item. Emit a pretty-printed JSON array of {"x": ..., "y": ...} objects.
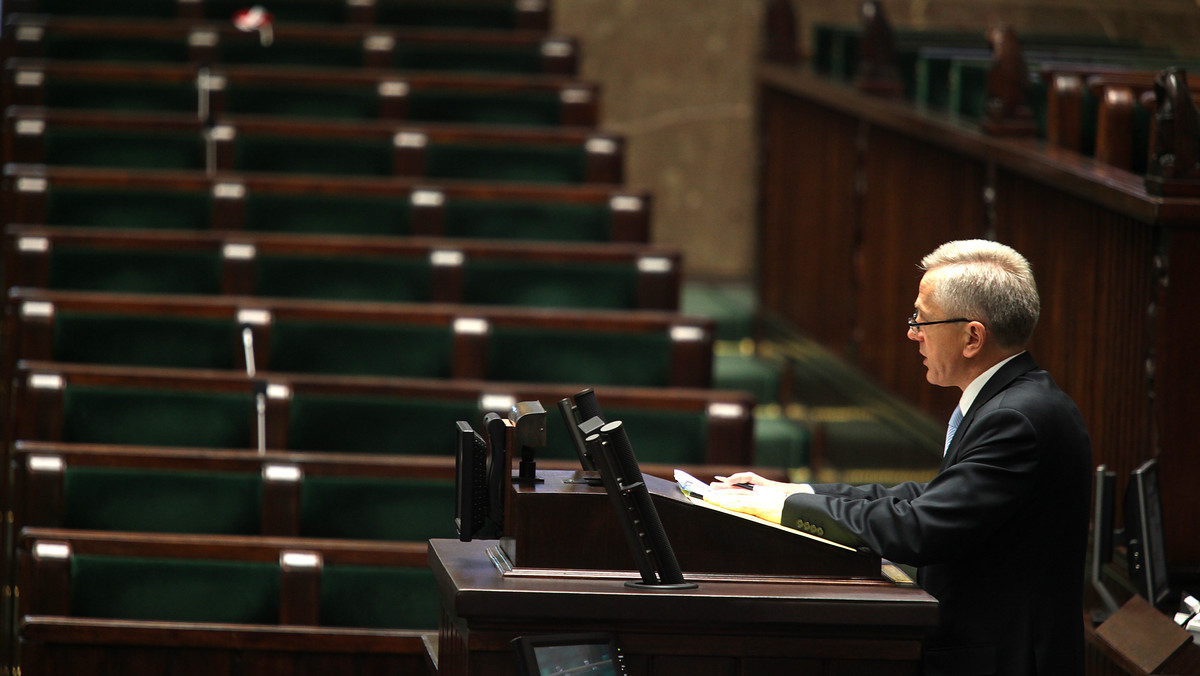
[{"x": 918, "y": 524}]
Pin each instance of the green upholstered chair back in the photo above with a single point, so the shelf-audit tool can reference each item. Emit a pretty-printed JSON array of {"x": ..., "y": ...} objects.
[
  {"x": 121, "y": 499},
  {"x": 579, "y": 356},
  {"x": 465, "y": 58},
  {"x": 135, "y": 271},
  {"x": 152, "y": 417},
  {"x": 128, "y": 8},
  {"x": 129, "y": 208},
  {"x": 291, "y": 52},
  {"x": 528, "y": 220},
  {"x": 541, "y": 284},
  {"x": 126, "y": 148},
  {"x": 391, "y": 279},
  {"x": 313, "y": 155},
  {"x": 360, "y": 508},
  {"x": 75, "y": 47},
  {"x": 522, "y": 163},
  {"x": 411, "y": 350},
  {"x": 174, "y": 590},
  {"x": 67, "y": 92},
  {"x": 366, "y": 424},
  {"x": 183, "y": 342},
  {"x": 327, "y": 214},
  {"x": 379, "y": 597},
  {"x": 289, "y": 12},
  {"x": 538, "y": 109},
  {"x": 309, "y": 101},
  {"x": 489, "y": 15},
  {"x": 668, "y": 437}
]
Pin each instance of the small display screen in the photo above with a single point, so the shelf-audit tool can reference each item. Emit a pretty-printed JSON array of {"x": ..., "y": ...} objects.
[{"x": 596, "y": 659}]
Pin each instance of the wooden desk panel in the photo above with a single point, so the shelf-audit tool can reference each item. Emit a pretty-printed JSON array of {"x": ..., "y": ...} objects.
[{"x": 717, "y": 628}]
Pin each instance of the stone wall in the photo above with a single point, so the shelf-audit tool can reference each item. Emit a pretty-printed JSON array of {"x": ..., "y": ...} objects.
[{"x": 678, "y": 81}]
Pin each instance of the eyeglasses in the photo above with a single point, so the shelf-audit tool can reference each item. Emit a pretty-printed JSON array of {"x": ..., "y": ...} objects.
[{"x": 914, "y": 326}]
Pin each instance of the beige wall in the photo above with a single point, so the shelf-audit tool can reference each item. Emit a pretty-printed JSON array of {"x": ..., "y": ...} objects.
[{"x": 678, "y": 81}]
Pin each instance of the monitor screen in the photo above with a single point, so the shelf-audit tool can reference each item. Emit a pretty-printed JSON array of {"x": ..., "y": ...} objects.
[
  {"x": 597, "y": 654},
  {"x": 1144, "y": 530},
  {"x": 472, "y": 494}
]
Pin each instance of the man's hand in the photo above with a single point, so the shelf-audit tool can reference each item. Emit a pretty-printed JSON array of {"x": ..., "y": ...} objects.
[{"x": 764, "y": 501}]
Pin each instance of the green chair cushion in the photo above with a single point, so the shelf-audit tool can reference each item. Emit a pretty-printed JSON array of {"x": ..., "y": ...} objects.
[
  {"x": 559, "y": 165},
  {"x": 107, "y": 415},
  {"x": 328, "y": 214},
  {"x": 524, "y": 355},
  {"x": 527, "y": 220},
  {"x": 158, "y": 501},
  {"x": 359, "y": 508},
  {"x": 379, "y": 598},
  {"x": 182, "y": 342},
  {"x": 362, "y": 349},
  {"x": 174, "y": 590},
  {"x": 575, "y": 285},
  {"x": 128, "y": 208},
  {"x": 135, "y": 271},
  {"x": 292, "y": 154},
  {"x": 375, "y": 424},
  {"x": 141, "y": 149},
  {"x": 390, "y": 279}
]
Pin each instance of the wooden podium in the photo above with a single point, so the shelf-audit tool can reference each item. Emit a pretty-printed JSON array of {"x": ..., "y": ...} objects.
[{"x": 768, "y": 601}]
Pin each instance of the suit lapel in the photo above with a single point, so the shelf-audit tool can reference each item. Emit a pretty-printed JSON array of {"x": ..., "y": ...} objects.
[{"x": 1019, "y": 366}]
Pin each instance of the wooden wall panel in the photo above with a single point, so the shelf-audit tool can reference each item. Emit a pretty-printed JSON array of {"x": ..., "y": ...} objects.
[
  {"x": 807, "y": 232},
  {"x": 1177, "y": 364},
  {"x": 917, "y": 196},
  {"x": 1093, "y": 270}
]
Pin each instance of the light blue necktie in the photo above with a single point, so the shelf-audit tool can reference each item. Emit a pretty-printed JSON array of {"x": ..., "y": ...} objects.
[{"x": 955, "y": 419}]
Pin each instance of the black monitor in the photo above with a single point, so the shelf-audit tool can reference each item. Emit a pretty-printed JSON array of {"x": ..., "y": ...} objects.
[
  {"x": 472, "y": 499},
  {"x": 598, "y": 654},
  {"x": 1145, "y": 549},
  {"x": 1102, "y": 540},
  {"x": 576, "y": 410}
]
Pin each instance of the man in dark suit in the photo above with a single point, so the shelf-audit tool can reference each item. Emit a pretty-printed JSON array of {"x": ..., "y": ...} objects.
[{"x": 999, "y": 535}]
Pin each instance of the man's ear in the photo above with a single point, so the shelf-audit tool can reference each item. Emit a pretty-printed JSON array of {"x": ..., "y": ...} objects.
[{"x": 976, "y": 337}]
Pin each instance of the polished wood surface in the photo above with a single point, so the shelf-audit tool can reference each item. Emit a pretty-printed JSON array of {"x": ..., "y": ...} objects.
[{"x": 717, "y": 628}]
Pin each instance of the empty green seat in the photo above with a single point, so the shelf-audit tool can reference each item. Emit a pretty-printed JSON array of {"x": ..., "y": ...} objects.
[
  {"x": 174, "y": 590},
  {"x": 62, "y": 91},
  {"x": 166, "y": 209},
  {"x": 579, "y": 356},
  {"x": 360, "y": 508},
  {"x": 576, "y": 285},
  {"x": 666, "y": 437},
  {"x": 302, "y": 100},
  {"x": 524, "y": 163},
  {"x": 408, "y": 350},
  {"x": 95, "y": 47},
  {"x": 313, "y": 155},
  {"x": 525, "y": 58},
  {"x": 500, "y": 219},
  {"x": 278, "y": 212},
  {"x": 290, "y": 52},
  {"x": 488, "y": 15},
  {"x": 541, "y": 109},
  {"x": 135, "y": 271},
  {"x": 379, "y": 597},
  {"x": 141, "y": 149},
  {"x": 178, "y": 342},
  {"x": 391, "y": 279},
  {"x": 123, "y": 499},
  {"x": 367, "y": 424},
  {"x": 152, "y": 417}
]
